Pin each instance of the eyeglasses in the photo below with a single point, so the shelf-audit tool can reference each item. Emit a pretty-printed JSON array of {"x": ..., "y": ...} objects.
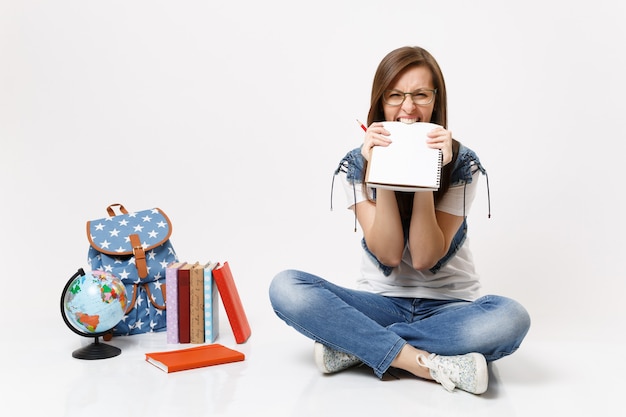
[{"x": 421, "y": 97}]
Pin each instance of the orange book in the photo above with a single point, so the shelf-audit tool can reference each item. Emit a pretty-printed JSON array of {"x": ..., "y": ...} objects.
[
  {"x": 195, "y": 357},
  {"x": 232, "y": 302}
]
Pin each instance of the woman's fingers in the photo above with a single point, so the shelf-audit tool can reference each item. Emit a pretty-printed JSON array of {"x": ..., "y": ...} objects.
[
  {"x": 441, "y": 138},
  {"x": 376, "y": 135}
]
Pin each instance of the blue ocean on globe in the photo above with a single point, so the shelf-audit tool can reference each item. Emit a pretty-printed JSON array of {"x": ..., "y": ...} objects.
[{"x": 95, "y": 302}]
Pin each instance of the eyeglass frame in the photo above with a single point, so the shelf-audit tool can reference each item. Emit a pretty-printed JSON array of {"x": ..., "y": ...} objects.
[{"x": 412, "y": 94}]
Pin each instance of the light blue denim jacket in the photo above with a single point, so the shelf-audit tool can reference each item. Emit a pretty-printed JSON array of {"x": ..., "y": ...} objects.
[{"x": 466, "y": 164}]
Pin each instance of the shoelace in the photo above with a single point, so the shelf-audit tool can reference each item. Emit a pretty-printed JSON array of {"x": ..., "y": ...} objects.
[{"x": 442, "y": 375}]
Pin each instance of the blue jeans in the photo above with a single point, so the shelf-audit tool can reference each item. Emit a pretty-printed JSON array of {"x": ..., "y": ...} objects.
[{"x": 374, "y": 328}]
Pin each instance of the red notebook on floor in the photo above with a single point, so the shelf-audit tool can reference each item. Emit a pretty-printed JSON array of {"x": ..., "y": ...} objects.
[
  {"x": 232, "y": 302},
  {"x": 195, "y": 357}
]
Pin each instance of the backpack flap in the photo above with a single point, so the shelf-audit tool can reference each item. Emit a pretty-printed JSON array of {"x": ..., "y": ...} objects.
[{"x": 130, "y": 234}]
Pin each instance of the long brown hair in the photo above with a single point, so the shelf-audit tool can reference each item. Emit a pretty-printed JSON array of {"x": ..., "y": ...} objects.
[{"x": 392, "y": 65}]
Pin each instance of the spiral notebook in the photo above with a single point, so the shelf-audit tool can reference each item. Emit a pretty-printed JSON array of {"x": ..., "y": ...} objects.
[{"x": 407, "y": 164}]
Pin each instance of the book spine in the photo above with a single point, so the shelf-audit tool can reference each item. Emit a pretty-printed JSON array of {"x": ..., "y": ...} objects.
[
  {"x": 184, "y": 335},
  {"x": 171, "y": 289},
  {"x": 196, "y": 306},
  {"x": 211, "y": 307}
]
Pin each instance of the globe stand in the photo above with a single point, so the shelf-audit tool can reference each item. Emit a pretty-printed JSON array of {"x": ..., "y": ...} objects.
[{"x": 96, "y": 350}]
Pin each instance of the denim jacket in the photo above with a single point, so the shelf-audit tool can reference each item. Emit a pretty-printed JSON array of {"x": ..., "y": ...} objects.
[{"x": 466, "y": 164}]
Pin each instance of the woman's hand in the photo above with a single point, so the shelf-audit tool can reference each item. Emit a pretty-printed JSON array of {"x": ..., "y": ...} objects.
[
  {"x": 376, "y": 135},
  {"x": 440, "y": 138}
]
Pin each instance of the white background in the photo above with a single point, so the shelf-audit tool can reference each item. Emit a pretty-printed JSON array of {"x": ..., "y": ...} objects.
[{"x": 232, "y": 116}]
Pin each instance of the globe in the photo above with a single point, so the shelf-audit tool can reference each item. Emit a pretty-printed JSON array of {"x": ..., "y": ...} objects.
[{"x": 91, "y": 305}]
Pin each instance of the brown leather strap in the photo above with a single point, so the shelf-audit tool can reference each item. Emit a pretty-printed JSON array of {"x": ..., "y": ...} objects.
[
  {"x": 131, "y": 300},
  {"x": 140, "y": 256},
  {"x": 146, "y": 288},
  {"x": 111, "y": 211}
]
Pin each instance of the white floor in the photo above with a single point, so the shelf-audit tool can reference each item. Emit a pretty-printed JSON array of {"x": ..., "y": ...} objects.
[{"x": 278, "y": 378}]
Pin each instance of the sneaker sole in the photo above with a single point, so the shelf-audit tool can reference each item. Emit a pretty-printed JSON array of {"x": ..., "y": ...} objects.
[
  {"x": 481, "y": 369},
  {"x": 318, "y": 352}
]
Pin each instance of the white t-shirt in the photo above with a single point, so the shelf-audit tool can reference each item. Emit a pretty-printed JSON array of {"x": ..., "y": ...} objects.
[{"x": 457, "y": 279}]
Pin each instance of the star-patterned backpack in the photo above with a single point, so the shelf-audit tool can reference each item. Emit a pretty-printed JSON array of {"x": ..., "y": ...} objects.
[{"x": 136, "y": 248}]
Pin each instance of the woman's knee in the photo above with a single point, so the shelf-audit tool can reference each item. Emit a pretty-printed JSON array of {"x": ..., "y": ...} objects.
[
  {"x": 284, "y": 289},
  {"x": 517, "y": 315},
  {"x": 505, "y": 320},
  {"x": 279, "y": 285},
  {"x": 512, "y": 323}
]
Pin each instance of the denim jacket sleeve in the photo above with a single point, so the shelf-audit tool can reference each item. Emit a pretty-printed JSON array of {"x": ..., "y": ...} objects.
[
  {"x": 466, "y": 164},
  {"x": 352, "y": 164}
]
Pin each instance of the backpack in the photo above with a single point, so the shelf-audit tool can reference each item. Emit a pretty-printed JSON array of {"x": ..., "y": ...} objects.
[{"x": 136, "y": 248}]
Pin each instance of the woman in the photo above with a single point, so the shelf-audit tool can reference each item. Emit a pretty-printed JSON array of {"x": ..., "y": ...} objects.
[{"x": 417, "y": 306}]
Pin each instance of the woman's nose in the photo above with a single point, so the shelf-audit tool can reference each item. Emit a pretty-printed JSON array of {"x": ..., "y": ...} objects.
[{"x": 408, "y": 105}]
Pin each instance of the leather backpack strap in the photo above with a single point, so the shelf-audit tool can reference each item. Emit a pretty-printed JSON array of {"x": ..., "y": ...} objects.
[
  {"x": 140, "y": 256},
  {"x": 146, "y": 288},
  {"x": 131, "y": 300}
]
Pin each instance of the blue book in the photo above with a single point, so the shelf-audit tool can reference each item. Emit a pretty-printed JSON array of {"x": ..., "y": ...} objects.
[{"x": 211, "y": 304}]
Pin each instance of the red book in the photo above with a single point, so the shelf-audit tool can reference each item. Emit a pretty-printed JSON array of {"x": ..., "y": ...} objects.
[
  {"x": 195, "y": 357},
  {"x": 232, "y": 302},
  {"x": 184, "y": 308}
]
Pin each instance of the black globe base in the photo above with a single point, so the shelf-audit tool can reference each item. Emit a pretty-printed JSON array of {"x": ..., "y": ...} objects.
[{"x": 96, "y": 350}]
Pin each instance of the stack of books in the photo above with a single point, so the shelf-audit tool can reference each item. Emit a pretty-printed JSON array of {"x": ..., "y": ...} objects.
[
  {"x": 192, "y": 302},
  {"x": 193, "y": 316}
]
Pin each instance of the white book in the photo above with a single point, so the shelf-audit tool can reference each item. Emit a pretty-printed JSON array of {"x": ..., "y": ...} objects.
[{"x": 407, "y": 164}]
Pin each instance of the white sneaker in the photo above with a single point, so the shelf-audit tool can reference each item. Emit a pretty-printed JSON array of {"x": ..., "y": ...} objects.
[
  {"x": 330, "y": 361},
  {"x": 467, "y": 372}
]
